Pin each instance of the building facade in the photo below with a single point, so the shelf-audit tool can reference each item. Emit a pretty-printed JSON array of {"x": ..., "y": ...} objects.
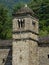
[
  {"x": 25, "y": 37},
  {"x": 26, "y": 48}
]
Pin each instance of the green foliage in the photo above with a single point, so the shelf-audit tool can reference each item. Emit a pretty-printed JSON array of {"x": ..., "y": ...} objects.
[
  {"x": 5, "y": 23},
  {"x": 17, "y": 6},
  {"x": 41, "y": 8}
]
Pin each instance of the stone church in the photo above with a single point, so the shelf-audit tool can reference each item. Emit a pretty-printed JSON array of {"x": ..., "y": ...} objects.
[{"x": 26, "y": 47}]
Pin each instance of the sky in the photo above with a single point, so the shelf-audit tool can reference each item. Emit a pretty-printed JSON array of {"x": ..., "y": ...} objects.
[{"x": 10, "y": 3}]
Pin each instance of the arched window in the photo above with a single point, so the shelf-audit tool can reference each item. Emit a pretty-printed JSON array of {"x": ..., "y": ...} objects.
[
  {"x": 33, "y": 23},
  {"x": 21, "y": 23}
]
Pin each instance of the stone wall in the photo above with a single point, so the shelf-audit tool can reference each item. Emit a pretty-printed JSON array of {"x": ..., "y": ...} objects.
[
  {"x": 30, "y": 24},
  {"x": 25, "y": 42},
  {"x": 43, "y": 54},
  {"x": 20, "y": 53},
  {"x": 5, "y": 56},
  {"x": 33, "y": 53},
  {"x": 25, "y": 53}
]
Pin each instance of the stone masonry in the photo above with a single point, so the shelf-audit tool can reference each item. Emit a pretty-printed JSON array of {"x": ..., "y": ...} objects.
[{"x": 25, "y": 38}]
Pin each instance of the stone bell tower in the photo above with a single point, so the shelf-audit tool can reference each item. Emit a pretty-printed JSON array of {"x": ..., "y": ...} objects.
[{"x": 25, "y": 37}]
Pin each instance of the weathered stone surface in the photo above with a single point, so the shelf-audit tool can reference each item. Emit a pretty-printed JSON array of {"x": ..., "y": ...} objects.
[
  {"x": 20, "y": 53},
  {"x": 5, "y": 57},
  {"x": 28, "y": 24},
  {"x": 25, "y": 35},
  {"x": 43, "y": 53},
  {"x": 33, "y": 55},
  {"x": 25, "y": 45}
]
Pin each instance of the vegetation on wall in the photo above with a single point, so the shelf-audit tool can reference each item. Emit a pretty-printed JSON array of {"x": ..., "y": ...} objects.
[{"x": 41, "y": 9}]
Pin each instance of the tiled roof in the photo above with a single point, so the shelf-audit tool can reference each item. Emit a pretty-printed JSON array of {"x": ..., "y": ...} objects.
[{"x": 24, "y": 10}]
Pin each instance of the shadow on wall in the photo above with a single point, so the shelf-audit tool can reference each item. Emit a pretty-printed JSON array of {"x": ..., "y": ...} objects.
[
  {"x": 9, "y": 58},
  {"x": 43, "y": 44}
]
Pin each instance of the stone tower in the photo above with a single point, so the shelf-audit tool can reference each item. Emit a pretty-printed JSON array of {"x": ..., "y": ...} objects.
[{"x": 25, "y": 37}]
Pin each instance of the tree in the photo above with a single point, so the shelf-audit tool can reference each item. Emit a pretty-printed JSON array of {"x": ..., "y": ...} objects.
[
  {"x": 5, "y": 23},
  {"x": 17, "y": 6},
  {"x": 41, "y": 8}
]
